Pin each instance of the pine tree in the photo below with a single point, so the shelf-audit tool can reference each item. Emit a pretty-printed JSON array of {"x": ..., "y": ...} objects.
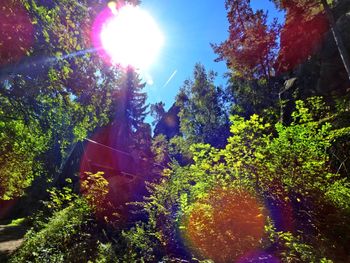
[
  {"x": 131, "y": 110},
  {"x": 251, "y": 49},
  {"x": 250, "y": 52}
]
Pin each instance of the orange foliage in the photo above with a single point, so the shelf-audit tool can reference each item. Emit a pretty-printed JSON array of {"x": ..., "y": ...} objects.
[{"x": 226, "y": 226}]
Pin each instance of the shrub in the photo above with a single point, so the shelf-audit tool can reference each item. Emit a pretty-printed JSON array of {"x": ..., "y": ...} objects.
[
  {"x": 65, "y": 238},
  {"x": 71, "y": 234}
]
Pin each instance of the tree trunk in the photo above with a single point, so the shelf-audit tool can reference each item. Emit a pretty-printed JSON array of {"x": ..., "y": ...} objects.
[{"x": 337, "y": 37}]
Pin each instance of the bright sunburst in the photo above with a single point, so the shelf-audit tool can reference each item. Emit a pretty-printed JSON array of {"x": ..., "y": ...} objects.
[{"x": 131, "y": 37}]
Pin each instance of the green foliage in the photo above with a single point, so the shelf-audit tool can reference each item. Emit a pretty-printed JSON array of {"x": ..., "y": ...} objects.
[
  {"x": 17, "y": 222},
  {"x": 248, "y": 97},
  {"x": 160, "y": 149},
  {"x": 70, "y": 234},
  {"x": 21, "y": 145},
  {"x": 106, "y": 253},
  {"x": 64, "y": 238},
  {"x": 339, "y": 194},
  {"x": 303, "y": 146},
  {"x": 157, "y": 112},
  {"x": 283, "y": 164},
  {"x": 291, "y": 248},
  {"x": 179, "y": 148},
  {"x": 141, "y": 244},
  {"x": 94, "y": 188},
  {"x": 55, "y": 97},
  {"x": 217, "y": 220},
  {"x": 202, "y": 115},
  {"x": 210, "y": 203},
  {"x": 60, "y": 198}
]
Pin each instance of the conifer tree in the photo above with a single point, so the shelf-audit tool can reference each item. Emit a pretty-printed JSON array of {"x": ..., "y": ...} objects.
[
  {"x": 131, "y": 110},
  {"x": 251, "y": 49}
]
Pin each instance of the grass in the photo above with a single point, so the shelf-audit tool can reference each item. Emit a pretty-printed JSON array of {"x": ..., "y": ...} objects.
[{"x": 17, "y": 222}]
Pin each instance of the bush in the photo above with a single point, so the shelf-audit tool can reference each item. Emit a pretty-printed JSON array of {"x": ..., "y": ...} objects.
[
  {"x": 65, "y": 238},
  {"x": 71, "y": 234},
  {"x": 191, "y": 209}
]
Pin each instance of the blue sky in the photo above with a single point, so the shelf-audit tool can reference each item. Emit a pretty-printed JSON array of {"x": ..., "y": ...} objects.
[{"x": 189, "y": 27}]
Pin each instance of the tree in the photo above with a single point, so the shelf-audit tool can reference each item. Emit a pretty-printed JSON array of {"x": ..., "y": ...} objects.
[
  {"x": 202, "y": 115},
  {"x": 22, "y": 145},
  {"x": 131, "y": 110},
  {"x": 15, "y": 22},
  {"x": 250, "y": 53},
  {"x": 252, "y": 46},
  {"x": 283, "y": 169},
  {"x": 57, "y": 91},
  {"x": 157, "y": 112},
  {"x": 160, "y": 149},
  {"x": 247, "y": 97}
]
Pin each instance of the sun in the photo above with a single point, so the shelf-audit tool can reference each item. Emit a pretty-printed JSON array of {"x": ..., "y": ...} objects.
[{"x": 131, "y": 37}]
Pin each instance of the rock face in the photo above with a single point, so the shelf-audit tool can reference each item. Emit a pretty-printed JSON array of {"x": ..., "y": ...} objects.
[
  {"x": 322, "y": 73},
  {"x": 319, "y": 70},
  {"x": 125, "y": 172},
  {"x": 333, "y": 80},
  {"x": 301, "y": 35},
  {"x": 169, "y": 125}
]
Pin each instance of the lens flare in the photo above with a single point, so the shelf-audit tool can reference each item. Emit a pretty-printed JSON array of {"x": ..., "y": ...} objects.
[
  {"x": 113, "y": 6},
  {"x": 128, "y": 36},
  {"x": 16, "y": 32},
  {"x": 225, "y": 226},
  {"x": 300, "y": 37},
  {"x": 119, "y": 168}
]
